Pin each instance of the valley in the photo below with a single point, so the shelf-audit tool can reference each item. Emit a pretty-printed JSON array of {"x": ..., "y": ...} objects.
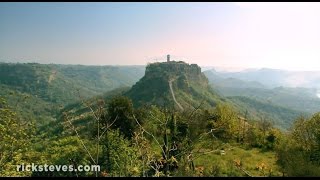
[
  {"x": 136, "y": 89},
  {"x": 143, "y": 89},
  {"x": 171, "y": 104}
]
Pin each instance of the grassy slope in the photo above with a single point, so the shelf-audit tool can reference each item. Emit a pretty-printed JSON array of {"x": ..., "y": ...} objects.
[{"x": 250, "y": 159}]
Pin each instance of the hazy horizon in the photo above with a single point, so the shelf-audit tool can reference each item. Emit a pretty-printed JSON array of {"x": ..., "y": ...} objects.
[
  {"x": 230, "y": 34},
  {"x": 203, "y": 68}
]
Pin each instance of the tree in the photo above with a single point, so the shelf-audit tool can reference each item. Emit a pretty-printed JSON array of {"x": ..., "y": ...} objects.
[
  {"x": 121, "y": 109},
  {"x": 119, "y": 157},
  {"x": 224, "y": 125},
  {"x": 264, "y": 125},
  {"x": 66, "y": 151},
  {"x": 255, "y": 137},
  {"x": 298, "y": 154}
]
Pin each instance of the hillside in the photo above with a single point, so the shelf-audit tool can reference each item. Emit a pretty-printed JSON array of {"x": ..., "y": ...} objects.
[
  {"x": 60, "y": 83},
  {"x": 82, "y": 114},
  {"x": 169, "y": 84},
  {"x": 38, "y": 91},
  {"x": 300, "y": 99},
  {"x": 217, "y": 80},
  {"x": 183, "y": 86},
  {"x": 227, "y": 136},
  {"x": 280, "y": 116},
  {"x": 175, "y": 84}
]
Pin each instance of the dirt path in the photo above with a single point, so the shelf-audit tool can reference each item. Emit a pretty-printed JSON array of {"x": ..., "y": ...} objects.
[
  {"x": 52, "y": 76},
  {"x": 174, "y": 98}
]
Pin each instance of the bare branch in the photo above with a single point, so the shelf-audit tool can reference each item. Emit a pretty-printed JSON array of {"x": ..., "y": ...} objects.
[
  {"x": 75, "y": 130},
  {"x": 108, "y": 126},
  {"x": 88, "y": 106},
  {"x": 195, "y": 109},
  {"x": 150, "y": 135}
]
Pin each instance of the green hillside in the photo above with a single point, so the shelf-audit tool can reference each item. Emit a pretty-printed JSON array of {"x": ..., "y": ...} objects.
[
  {"x": 189, "y": 85},
  {"x": 38, "y": 91},
  {"x": 190, "y": 89},
  {"x": 169, "y": 123},
  {"x": 60, "y": 83},
  {"x": 301, "y": 99},
  {"x": 280, "y": 116}
]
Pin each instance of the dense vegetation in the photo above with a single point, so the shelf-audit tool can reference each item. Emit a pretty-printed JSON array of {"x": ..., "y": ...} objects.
[
  {"x": 141, "y": 131},
  {"x": 39, "y": 90}
]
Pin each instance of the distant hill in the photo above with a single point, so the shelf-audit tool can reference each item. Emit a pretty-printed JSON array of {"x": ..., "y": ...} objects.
[
  {"x": 296, "y": 98},
  {"x": 282, "y": 117},
  {"x": 276, "y": 77},
  {"x": 301, "y": 99},
  {"x": 175, "y": 84},
  {"x": 216, "y": 79},
  {"x": 39, "y": 90},
  {"x": 60, "y": 83}
]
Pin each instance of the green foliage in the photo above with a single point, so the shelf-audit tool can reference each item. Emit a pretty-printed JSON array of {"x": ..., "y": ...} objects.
[
  {"x": 119, "y": 156},
  {"x": 14, "y": 140},
  {"x": 209, "y": 137},
  {"x": 154, "y": 121},
  {"x": 49, "y": 87},
  {"x": 66, "y": 151},
  {"x": 224, "y": 124},
  {"x": 298, "y": 154},
  {"x": 120, "y": 110},
  {"x": 255, "y": 137}
]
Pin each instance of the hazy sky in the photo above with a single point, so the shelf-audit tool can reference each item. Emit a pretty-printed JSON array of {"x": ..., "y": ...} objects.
[{"x": 274, "y": 35}]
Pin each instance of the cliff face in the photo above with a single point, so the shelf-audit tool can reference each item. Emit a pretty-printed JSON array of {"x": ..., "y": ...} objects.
[
  {"x": 173, "y": 69},
  {"x": 180, "y": 71},
  {"x": 187, "y": 82}
]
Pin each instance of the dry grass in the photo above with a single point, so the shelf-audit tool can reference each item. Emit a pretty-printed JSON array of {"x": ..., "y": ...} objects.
[{"x": 254, "y": 161}]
